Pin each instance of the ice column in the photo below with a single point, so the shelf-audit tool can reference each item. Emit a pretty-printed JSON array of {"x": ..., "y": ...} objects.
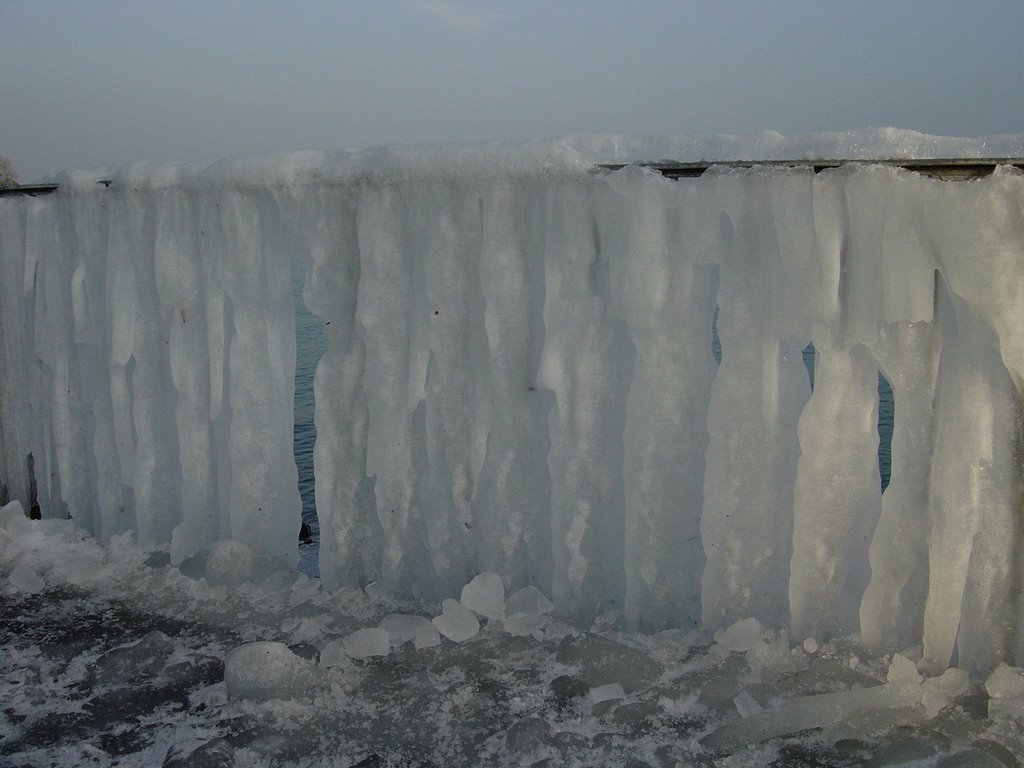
[
  {"x": 666, "y": 296},
  {"x": 892, "y": 609},
  {"x": 766, "y": 234},
  {"x": 264, "y": 501},
  {"x": 586, "y": 363},
  {"x": 512, "y": 493},
  {"x": 974, "y": 502},
  {"x": 350, "y": 533}
]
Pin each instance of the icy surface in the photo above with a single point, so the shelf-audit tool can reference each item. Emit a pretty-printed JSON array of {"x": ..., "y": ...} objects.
[
  {"x": 139, "y": 665},
  {"x": 518, "y": 380}
]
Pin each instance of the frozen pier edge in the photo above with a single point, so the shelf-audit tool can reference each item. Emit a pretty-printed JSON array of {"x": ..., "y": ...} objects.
[{"x": 519, "y": 375}]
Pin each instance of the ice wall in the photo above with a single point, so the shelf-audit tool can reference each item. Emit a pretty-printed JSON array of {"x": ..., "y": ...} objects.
[
  {"x": 519, "y": 378},
  {"x": 147, "y": 359}
]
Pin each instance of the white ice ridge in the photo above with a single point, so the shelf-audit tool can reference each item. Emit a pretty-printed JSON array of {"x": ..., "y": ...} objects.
[{"x": 519, "y": 376}]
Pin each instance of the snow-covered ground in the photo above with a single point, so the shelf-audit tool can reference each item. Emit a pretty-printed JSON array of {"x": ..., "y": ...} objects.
[{"x": 111, "y": 656}]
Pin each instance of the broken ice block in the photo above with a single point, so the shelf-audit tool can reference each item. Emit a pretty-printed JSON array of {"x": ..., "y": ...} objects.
[
  {"x": 364, "y": 643},
  {"x": 741, "y": 636},
  {"x": 403, "y": 628},
  {"x": 264, "y": 670},
  {"x": 456, "y": 622},
  {"x": 609, "y": 692},
  {"x": 1005, "y": 688},
  {"x": 528, "y": 600},
  {"x": 939, "y": 691},
  {"x": 485, "y": 595},
  {"x": 814, "y": 712}
]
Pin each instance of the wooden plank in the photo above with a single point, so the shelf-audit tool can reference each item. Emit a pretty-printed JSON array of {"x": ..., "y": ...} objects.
[
  {"x": 28, "y": 189},
  {"x": 948, "y": 169},
  {"x": 34, "y": 190}
]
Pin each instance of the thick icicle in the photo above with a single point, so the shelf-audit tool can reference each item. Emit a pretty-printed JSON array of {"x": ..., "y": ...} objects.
[
  {"x": 350, "y": 533},
  {"x": 514, "y": 488},
  {"x": 892, "y": 610},
  {"x": 974, "y": 499},
  {"x": 756, "y": 399},
  {"x": 586, "y": 364},
  {"x": 667, "y": 300},
  {"x": 386, "y": 314},
  {"x": 837, "y": 498}
]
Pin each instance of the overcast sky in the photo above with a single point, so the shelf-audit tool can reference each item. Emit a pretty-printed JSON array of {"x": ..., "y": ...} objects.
[{"x": 86, "y": 84}]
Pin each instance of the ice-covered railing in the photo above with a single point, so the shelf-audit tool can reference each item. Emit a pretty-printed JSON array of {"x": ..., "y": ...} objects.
[{"x": 519, "y": 376}]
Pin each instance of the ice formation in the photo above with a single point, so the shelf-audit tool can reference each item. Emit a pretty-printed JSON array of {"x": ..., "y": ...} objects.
[{"x": 519, "y": 378}]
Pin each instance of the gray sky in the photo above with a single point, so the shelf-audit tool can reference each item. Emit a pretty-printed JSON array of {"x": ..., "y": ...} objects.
[{"x": 86, "y": 84}]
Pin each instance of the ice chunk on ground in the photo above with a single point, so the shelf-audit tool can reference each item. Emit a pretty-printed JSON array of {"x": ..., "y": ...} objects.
[
  {"x": 902, "y": 668},
  {"x": 815, "y": 712},
  {"x": 24, "y": 579},
  {"x": 608, "y": 692},
  {"x": 267, "y": 670},
  {"x": 333, "y": 654},
  {"x": 939, "y": 691},
  {"x": 406, "y": 628},
  {"x": 11, "y": 511},
  {"x": 456, "y": 622},
  {"x": 403, "y": 628},
  {"x": 528, "y": 600},
  {"x": 746, "y": 704},
  {"x": 485, "y": 595},
  {"x": 364, "y": 643},
  {"x": 1005, "y": 688},
  {"x": 742, "y": 636},
  {"x": 426, "y": 636},
  {"x": 1006, "y": 682}
]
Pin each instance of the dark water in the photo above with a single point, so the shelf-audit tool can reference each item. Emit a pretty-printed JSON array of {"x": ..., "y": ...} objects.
[
  {"x": 310, "y": 341},
  {"x": 311, "y": 344}
]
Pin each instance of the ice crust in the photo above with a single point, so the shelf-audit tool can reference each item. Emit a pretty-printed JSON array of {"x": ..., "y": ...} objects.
[
  {"x": 519, "y": 377},
  {"x": 197, "y": 692}
]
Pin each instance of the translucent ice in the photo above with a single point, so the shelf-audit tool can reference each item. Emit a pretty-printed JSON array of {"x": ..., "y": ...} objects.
[
  {"x": 815, "y": 712},
  {"x": 741, "y": 636},
  {"x": 528, "y": 600},
  {"x": 1005, "y": 687},
  {"x": 404, "y": 628},
  {"x": 364, "y": 643},
  {"x": 456, "y": 622},
  {"x": 485, "y": 595},
  {"x": 607, "y": 692},
  {"x": 24, "y": 579},
  {"x": 266, "y": 670}
]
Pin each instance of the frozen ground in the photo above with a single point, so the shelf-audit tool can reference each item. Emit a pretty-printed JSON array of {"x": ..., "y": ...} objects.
[{"x": 110, "y": 656}]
